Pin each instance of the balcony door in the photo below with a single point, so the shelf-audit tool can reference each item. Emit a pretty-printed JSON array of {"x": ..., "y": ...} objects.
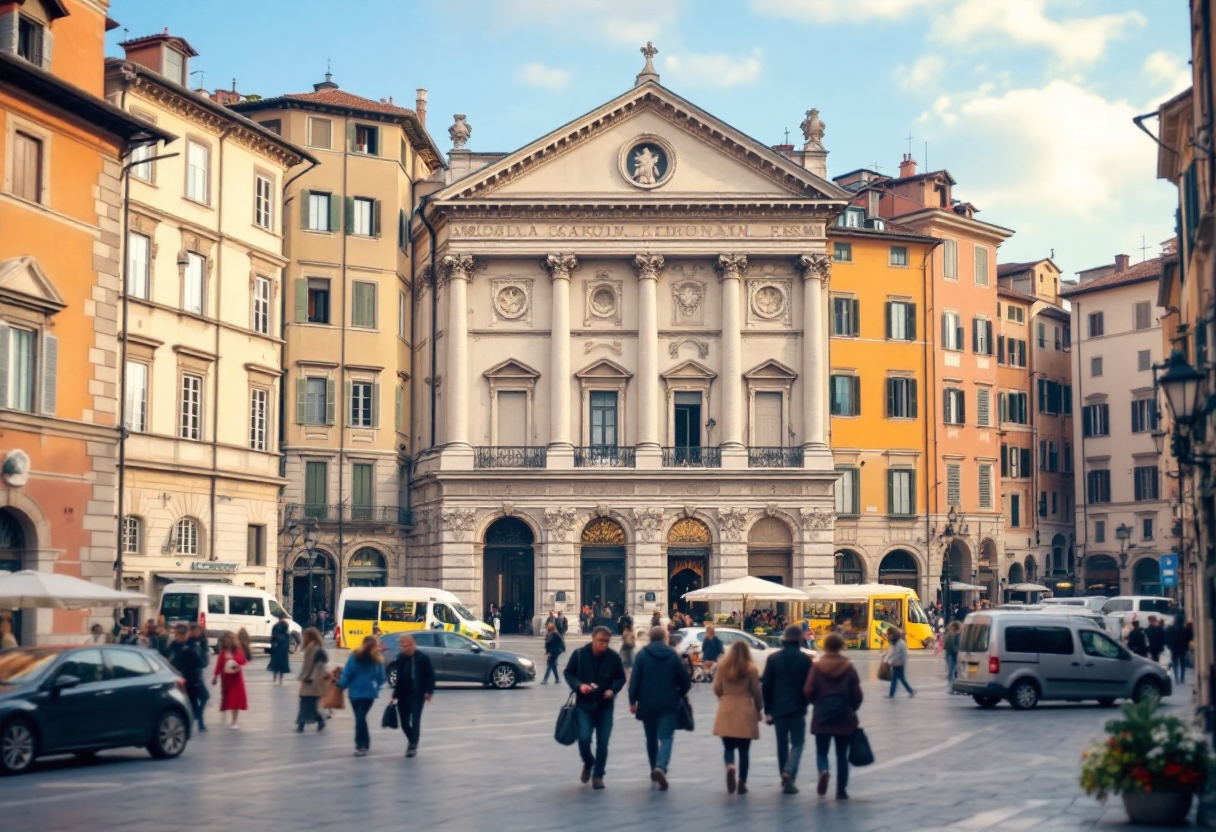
[
  {"x": 512, "y": 418},
  {"x": 316, "y": 489},
  {"x": 688, "y": 420},
  {"x": 604, "y": 419},
  {"x": 768, "y": 421},
  {"x": 362, "y": 490}
]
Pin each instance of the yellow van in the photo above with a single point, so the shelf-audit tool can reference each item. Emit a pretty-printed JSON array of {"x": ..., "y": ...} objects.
[
  {"x": 399, "y": 609},
  {"x": 863, "y": 613}
]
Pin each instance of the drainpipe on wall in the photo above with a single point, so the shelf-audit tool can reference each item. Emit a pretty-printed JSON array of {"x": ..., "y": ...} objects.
[
  {"x": 434, "y": 307},
  {"x": 215, "y": 386}
]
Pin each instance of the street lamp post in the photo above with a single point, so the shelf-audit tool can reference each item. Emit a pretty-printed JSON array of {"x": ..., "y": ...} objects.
[
  {"x": 947, "y": 538},
  {"x": 310, "y": 542},
  {"x": 1124, "y": 534}
]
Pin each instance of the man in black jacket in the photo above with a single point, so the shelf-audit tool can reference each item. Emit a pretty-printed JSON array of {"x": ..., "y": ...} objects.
[
  {"x": 415, "y": 685},
  {"x": 785, "y": 703},
  {"x": 1156, "y": 638},
  {"x": 189, "y": 662},
  {"x": 596, "y": 674},
  {"x": 658, "y": 683},
  {"x": 555, "y": 645}
]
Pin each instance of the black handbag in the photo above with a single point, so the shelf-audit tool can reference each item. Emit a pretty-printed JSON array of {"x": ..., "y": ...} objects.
[
  {"x": 860, "y": 753},
  {"x": 566, "y": 730},
  {"x": 684, "y": 718},
  {"x": 390, "y": 720}
]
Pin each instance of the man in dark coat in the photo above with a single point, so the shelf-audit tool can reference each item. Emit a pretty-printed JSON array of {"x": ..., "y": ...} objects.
[
  {"x": 1179, "y": 639},
  {"x": 596, "y": 674},
  {"x": 414, "y": 688},
  {"x": 563, "y": 625},
  {"x": 1156, "y": 638},
  {"x": 1137, "y": 641},
  {"x": 711, "y": 650},
  {"x": 189, "y": 662},
  {"x": 658, "y": 683},
  {"x": 555, "y": 645},
  {"x": 785, "y": 703},
  {"x": 834, "y": 688}
]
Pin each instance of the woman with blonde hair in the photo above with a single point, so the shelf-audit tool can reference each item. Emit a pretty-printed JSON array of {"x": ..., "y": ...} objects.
[
  {"x": 313, "y": 680},
  {"x": 246, "y": 643},
  {"x": 363, "y": 677},
  {"x": 229, "y": 665},
  {"x": 737, "y": 686}
]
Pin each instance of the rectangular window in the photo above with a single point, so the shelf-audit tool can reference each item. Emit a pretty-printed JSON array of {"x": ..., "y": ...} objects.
[
  {"x": 1144, "y": 415},
  {"x": 320, "y": 133},
  {"x": 952, "y": 331},
  {"x": 361, "y": 401},
  {"x": 318, "y": 300},
  {"x": 1095, "y": 366},
  {"x": 848, "y": 491},
  {"x": 1055, "y": 503},
  {"x": 363, "y": 311},
  {"x": 362, "y": 491},
  {"x": 143, "y": 172},
  {"x": 901, "y": 398},
  {"x": 1042, "y": 503},
  {"x": 512, "y": 418},
  {"x": 316, "y": 396},
  {"x": 192, "y": 407},
  {"x": 899, "y": 256},
  {"x": 1097, "y": 486},
  {"x": 1095, "y": 420},
  {"x": 1042, "y": 332},
  {"x": 950, "y": 259},
  {"x": 769, "y": 432},
  {"x": 261, "y": 305},
  {"x": 320, "y": 214},
  {"x": 1014, "y": 469},
  {"x": 30, "y": 35},
  {"x": 316, "y": 487},
  {"x": 130, "y": 535},
  {"x": 1099, "y": 531},
  {"x": 954, "y": 484},
  {"x": 845, "y": 315},
  {"x": 259, "y": 407},
  {"x": 255, "y": 546},
  {"x": 981, "y": 336},
  {"x": 1144, "y": 360},
  {"x": 1015, "y": 510},
  {"x": 401, "y": 312},
  {"x": 274, "y": 125},
  {"x": 366, "y": 140},
  {"x": 27, "y": 167},
  {"x": 137, "y": 397},
  {"x": 1015, "y": 352},
  {"x": 139, "y": 249},
  {"x": 362, "y": 216},
  {"x": 842, "y": 252},
  {"x": 1013, "y": 407},
  {"x": 193, "y": 282},
  {"x": 263, "y": 208},
  {"x": 174, "y": 66},
  {"x": 1147, "y": 483},
  {"x": 985, "y": 482},
  {"x": 981, "y": 265},
  {"x": 603, "y": 419},
  {"x": 1066, "y": 399},
  {"x": 845, "y": 396},
  {"x": 1143, "y": 315},
  {"x": 1147, "y": 528},
  {"x": 1097, "y": 324},
  {"x": 901, "y": 491},
  {"x": 1053, "y": 456},
  {"x": 954, "y": 406},
  {"x": 901, "y": 321},
  {"x": 983, "y": 407},
  {"x": 198, "y": 164}
]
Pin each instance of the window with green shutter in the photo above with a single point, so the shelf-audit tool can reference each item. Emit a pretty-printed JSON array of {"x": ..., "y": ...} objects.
[
  {"x": 363, "y": 307},
  {"x": 361, "y": 490},
  {"x": 316, "y": 488}
]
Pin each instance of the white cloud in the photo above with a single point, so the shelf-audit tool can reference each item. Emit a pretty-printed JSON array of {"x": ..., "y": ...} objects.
[
  {"x": 714, "y": 70},
  {"x": 1168, "y": 71},
  {"x": 1024, "y": 23},
  {"x": 922, "y": 76},
  {"x": 626, "y": 22},
  {"x": 537, "y": 74},
  {"x": 841, "y": 11}
]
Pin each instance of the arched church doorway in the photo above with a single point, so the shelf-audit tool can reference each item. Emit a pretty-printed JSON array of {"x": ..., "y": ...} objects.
[{"x": 508, "y": 572}]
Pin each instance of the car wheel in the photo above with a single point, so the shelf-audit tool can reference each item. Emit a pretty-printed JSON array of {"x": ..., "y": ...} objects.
[
  {"x": 1146, "y": 688},
  {"x": 1106, "y": 701},
  {"x": 392, "y": 678},
  {"x": 502, "y": 676},
  {"x": 294, "y": 645},
  {"x": 18, "y": 747},
  {"x": 1024, "y": 696},
  {"x": 169, "y": 737},
  {"x": 985, "y": 701}
]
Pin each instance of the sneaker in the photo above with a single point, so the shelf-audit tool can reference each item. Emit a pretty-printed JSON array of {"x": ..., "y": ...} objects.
[
  {"x": 841, "y": 794},
  {"x": 742, "y": 788},
  {"x": 585, "y": 775},
  {"x": 412, "y": 751},
  {"x": 321, "y": 724},
  {"x": 731, "y": 782},
  {"x": 822, "y": 788},
  {"x": 659, "y": 776},
  {"x": 912, "y": 694},
  {"x": 788, "y": 787},
  {"x": 300, "y": 728},
  {"x": 361, "y": 752},
  {"x": 234, "y": 727},
  {"x": 597, "y": 783}
]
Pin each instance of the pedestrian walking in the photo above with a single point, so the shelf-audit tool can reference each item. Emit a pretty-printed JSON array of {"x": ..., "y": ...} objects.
[
  {"x": 629, "y": 641},
  {"x": 711, "y": 651},
  {"x": 1179, "y": 638},
  {"x": 280, "y": 646},
  {"x": 555, "y": 645},
  {"x": 834, "y": 689},
  {"x": 950, "y": 644},
  {"x": 1137, "y": 640},
  {"x": 313, "y": 678},
  {"x": 897, "y": 657},
  {"x": 563, "y": 626},
  {"x": 414, "y": 687},
  {"x": 596, "y": 674},
  {"x": 1156, "y": 638},
  {"x": 362, "y": 678},
  {"x": 229, "y": 666},
  {"x": 737, "y": 686},
  {"x": 198, "y": 640},
  {"x": 656, "y": 686},
  {"x": 246, "y": 643},
  {"x": 186, "y": 660},
  {"x": 785, "y": 703},
  {"x": 321, "y": 616}
]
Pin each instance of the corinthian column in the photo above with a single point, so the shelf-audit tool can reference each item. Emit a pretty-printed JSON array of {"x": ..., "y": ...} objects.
[
  {"x": 731, "y": 268},
  {"x": 456, "y": 270},
  {"x": 649, "y": 451},
  {"x": 561, "y": 451},
  {"x": 816, "y": 272}
]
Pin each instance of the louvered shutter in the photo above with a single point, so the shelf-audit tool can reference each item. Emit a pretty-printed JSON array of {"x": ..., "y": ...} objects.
[
  {"x": 988, "y": 340},
  {"x": 855, "y": 308},
  {"x": 376, "y": 405},
  {"x": 1000, "y": 349},
  {"x": 8, "y": 31},
  {"x": 887, "y": 318},
  {"x": 945, "y": 330},
  {"x": 50, "y": 373},
  {"x": 962, "y": 407},
  {"x": 301, "y": 400},
  {"x": 348, "y": 397},
  {"x": 975, "y": 335},
  {"x": 305, "y": 200},
  {"x": 1004, "y": 460},
  {"x": 335, "y": 213},
  {"x": 1025, "y": 468},
  {"x": 912, "y": 398},
  {"x": 376, "y": 211},
  {"x": 985, "y": 486},
  {"x": 398, "y": 405},
  {"x": 350, "y": 214},
  {"x": 983, "y": 407},
  {"x": 5, "y": 343},
  {"x": 300, "y": 285},
  {"x": 350, "y": 137},
  {"x": 856, "y": 381},
  {"x": 910, "y": 311},
  {"x": 959, "y": 335},
  {"x": 890, "y": 491},
  {"x": 331, "y": 405},
  {"x": 891, "y": 397}
]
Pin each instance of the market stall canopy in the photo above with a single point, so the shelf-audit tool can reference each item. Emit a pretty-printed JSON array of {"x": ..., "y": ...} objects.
[
  {"x": 959, "y": 586},
  {"x": 46, "y": 590},
  {"x": 849, "y": 593},
  {"x": 745, "y": 589},
  {"x": 1027, "y": 588}
]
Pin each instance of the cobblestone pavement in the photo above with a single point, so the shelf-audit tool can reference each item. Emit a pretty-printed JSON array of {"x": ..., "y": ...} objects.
[{"x": 488, "y": 761}]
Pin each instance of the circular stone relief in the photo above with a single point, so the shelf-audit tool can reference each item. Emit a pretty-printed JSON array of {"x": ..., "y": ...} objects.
[
  {"x": 603, "y": 302},
  {"x": 769, "y": 301},
  {"x": 511, "y": 302},
  {"x": 647, "y": 161}
]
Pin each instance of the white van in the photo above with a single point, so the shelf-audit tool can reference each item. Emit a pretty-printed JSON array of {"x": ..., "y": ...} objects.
[
  {"x": 399, "y": 609},
  {"x": 1141, "y": 606},
  {"x": 218, "y": 608}
]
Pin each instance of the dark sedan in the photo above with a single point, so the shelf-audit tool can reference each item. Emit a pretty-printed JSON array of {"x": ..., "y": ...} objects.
[
  {"x": 458, "y": 658},
  {"x": 81, "y": 700}
]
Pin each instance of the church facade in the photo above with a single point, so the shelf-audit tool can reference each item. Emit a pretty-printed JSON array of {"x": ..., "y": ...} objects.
[{"x": 620, "y": 365}]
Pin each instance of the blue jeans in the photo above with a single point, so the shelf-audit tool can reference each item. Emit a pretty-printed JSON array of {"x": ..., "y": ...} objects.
[
  {"x": 599, "y": 721},
  {"x": 951, "y": 669},
  {"x": 1178, "y": 662},
  {"x": 660, "y": 734},
  {"x": 897, "y": 677},
  {"x": 791, "y": 736},
  {"x": 363, "y": 739},
  {"x": 822, "y": 741},
  {"x": 551, "y": 667},
  {"x": 198, "y": 703}
]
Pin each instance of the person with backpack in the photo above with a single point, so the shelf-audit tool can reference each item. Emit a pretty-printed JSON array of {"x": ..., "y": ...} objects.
[
  {"x": 785, "y": 703},
  {"x": 596, "y": 676},
  {"x": 834, "y": 689},
  {"x": 555, "y": 645},
  {"x": 658, "y": 683}
]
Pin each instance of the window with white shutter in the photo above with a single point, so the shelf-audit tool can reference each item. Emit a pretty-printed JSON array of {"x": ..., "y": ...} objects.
[
  {"x": 512, "y": 418},
  {"x": 768, "y": 433},
  {"x": 138, "y": 264}
]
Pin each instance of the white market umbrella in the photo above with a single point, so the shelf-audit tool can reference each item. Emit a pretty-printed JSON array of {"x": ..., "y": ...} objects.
[
  {"x": 47, "y": 590},
  {"x": 1027, "y": 588},
  {"x": 742, "y": 589},
  {"x": 959, "y": 586}
]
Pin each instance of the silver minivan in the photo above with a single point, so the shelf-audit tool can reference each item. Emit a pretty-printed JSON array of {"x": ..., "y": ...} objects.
[{"x": 1026, "y": 657}]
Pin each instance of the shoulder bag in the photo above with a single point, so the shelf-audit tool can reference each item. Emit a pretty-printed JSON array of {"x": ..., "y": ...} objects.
[
  {"x": 566, "y": 730},
  {"x": 860, "y": 753},
  {"x": 884, "y": 669},
  {"x": 390, "y": 719},
  {"x": 684, "y": 717}
]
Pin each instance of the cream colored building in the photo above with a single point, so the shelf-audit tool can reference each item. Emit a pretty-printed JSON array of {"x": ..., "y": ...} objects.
[
  {"x": 630, "y": 350},
  {"x": 349, "y": 312},
  {"x": 201, "y": 341}
]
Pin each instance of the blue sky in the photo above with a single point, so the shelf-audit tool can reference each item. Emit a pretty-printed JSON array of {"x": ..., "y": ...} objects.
[{"x": 1028, "y": 103}]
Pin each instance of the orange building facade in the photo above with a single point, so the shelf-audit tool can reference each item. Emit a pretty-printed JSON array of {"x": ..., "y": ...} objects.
[{"x": 60, "y": 256}]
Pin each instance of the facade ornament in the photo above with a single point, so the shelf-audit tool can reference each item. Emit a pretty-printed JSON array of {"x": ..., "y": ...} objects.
[
  {"x": 559, "y": 266},
  {"x": 648, "y": 73},
  {"x": 648, "y": 522},
  {"x": 602, "y": 299},
  {"x": 458, "y": 521},
  {"x": 648, "y": 266},
  {"x": 770, "y": 510},
  {"x": 16, "y": 470},
  {"x": 812, "y": 130},
  {"x": 508, "y": 509},
  {"x": 732, "y": 520},
  {"x": 559, "y": 522},
  {"x": 511, "y": 299},
  {"x": 614, "y": 346},
  {"x": 769, "y": 300},
  {"x": 460, "y": 131},
  {"x": 816, "y": 519},
  {"x": 731, "y": 266},
  {"x": 816, "y": 266},
  {"x": 688, "y": 511},
  {"x": 602, "y": 510},
  {"x": 456, "y": 267},
  {"x": 673, "y": 349}
]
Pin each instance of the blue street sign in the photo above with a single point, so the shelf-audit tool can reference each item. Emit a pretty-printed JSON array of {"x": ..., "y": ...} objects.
[{"x": 1169, "y": 571}]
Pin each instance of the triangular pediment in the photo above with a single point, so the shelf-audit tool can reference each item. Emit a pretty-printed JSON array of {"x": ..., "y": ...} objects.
[
  {"x": 588, "y": 160},
  {"x": 604, "y": 368},
  {"x": 771, "y": 370},
  {"x": 511, "y": 369},
  {"x": 23, "y": 281},
  {"x": 689, "y": 370}
]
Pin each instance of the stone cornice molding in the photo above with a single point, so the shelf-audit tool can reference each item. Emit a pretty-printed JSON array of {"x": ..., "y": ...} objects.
[
  {"x": 648, "y": 266},
  {"x": 731, "y": 266},
  {"x": 456, "y": 267},
  {"x": 818, "y": 266},
  {"x": 559, "y": 266}
]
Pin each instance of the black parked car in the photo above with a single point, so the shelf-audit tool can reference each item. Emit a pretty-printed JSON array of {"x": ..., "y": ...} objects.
[
  {"x": 458, "y": 658},
  {"x": 84, "y": 699}
]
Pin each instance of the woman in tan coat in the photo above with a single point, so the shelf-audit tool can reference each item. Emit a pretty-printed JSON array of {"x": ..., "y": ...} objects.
[
  {"x": 737, "y": 686},
  {"x": 313, "y": 680}
]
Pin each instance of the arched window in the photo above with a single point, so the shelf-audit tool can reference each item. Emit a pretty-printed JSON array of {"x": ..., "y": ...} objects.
[
  {"x": 848, "y": 568},
  {"x": 132, "y": 535},
  {"x": 367, "y": 568},
  {"x": 186, "y": 532}
]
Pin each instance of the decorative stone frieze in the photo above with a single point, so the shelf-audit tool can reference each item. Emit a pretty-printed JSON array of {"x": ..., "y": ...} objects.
[
  {"x": 731, "y": 521},
  {"x": 559, "y": 522},
  {"x": 457, "y": 521},
  {"x": 647, "y": 522}
]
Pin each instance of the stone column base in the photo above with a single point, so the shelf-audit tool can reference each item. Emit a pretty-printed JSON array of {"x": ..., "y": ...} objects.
[
  {"x": 648, "y": 457},
  {"x": 560, "y": 457},
  {"x": 456, "y": 457}
]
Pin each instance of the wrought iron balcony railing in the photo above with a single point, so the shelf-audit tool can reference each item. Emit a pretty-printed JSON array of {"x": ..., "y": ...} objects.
[
  {"x": 604, "y": 456},
  {"x": 322, "y": 513},
  {"x": 509, "y": 456},
  {"x": 765, "y": 457},
  {"x": 692, "y": 457}
]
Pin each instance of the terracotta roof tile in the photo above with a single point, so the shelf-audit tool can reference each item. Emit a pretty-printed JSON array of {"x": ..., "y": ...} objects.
[
  {"x": 1139, "y": 273},
  {"x": 341, "y": 98},
  {"x": 1004, "y": 269}
]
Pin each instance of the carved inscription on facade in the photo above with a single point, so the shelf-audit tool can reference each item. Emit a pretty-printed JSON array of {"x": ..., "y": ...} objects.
[{"x": 623, "y": 231}]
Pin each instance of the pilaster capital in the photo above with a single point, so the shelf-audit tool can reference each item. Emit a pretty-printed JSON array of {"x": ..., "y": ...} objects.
[
  {"x": 648, "y": 266},
  {"x": 731, "y": 266},
  {"x": 818, "y": 266},
  {"x": 559, "y": 266},
  {"x": 456, "y": 267}
]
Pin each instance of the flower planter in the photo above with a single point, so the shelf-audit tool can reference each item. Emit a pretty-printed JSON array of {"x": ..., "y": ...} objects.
[{"x": 1158, "y": 808}]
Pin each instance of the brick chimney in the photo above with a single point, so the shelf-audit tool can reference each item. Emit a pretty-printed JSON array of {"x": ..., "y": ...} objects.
[
  {"x": 420, "y": 106},
  {"x": 1121, "y": 262},
  {"x": 907, "y": 166}
]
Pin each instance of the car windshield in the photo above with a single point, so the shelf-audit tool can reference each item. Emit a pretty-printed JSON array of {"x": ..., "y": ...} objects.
[
  {"x": 1117, "y": 605},
  {"x": 18, "y": 667},
  {"x": 275, "y": 609},
  {"x": 463, "y": 612}
]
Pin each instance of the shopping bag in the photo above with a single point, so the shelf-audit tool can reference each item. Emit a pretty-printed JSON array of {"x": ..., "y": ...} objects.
[
  {"x": 389, "y": 720},
  {"x": 860, "y": 753},
  {"x": 684, "y": 718},
  {"x": 566, "y": 730},
  {"x": 334, "y": 698},
  {"x": 884, "y": 671}
]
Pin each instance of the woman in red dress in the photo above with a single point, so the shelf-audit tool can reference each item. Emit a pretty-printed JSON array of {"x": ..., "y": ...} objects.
[{"x": 229, "y": 666}]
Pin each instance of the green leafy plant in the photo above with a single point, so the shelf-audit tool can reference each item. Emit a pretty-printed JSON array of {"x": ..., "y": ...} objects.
[{"x": 1146, "y": 751}]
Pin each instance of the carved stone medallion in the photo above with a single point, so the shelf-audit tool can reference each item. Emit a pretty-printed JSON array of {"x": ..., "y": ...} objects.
[
  {"x": 769, "y": 300},
  {"x": 687, "y": 300},
  {"x": 512, "y": 299},
  {"x": 603, "y": 300},
  {"x": 647, "y": 161}
]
